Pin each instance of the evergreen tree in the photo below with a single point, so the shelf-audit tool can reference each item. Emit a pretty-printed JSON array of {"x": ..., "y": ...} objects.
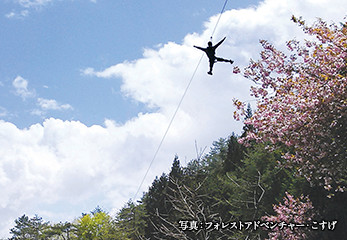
[
  {"x": 235, "y": 154},
  {"x": 61, "y": 231},
  {"x": 29, "y": 228},
  {"x": 176, "y": 170},
  {"x": 155, "y": 203},
  {"x": 247, "y": 127},
  {"x": 131, "y": 219}
]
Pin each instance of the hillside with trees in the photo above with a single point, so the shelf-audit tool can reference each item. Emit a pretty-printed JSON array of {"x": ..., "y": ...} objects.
[{"x": 283, "y": 178}]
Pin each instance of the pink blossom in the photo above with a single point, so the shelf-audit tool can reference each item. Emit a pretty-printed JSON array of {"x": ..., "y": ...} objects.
[
  {"x": 236, "y": 70},
  {"x": 308, "y": 109},
  {"x": 296, "y": 211}
]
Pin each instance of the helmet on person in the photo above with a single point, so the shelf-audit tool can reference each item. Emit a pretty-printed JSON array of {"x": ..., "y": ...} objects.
[{"x": 209, "y": 44}]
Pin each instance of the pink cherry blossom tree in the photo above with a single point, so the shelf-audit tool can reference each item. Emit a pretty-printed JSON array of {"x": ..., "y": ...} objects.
[
  {"x": 302, "y": 103},
  {"x": 291, "y": 219}
]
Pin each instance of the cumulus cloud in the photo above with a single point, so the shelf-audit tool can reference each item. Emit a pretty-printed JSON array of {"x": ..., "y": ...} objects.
[
  {"x": 68, "y": 163},
  {"x": 21, "y": 86},
  {"x": 46, "y": 105},
  {"x": 51, "y": 104}
]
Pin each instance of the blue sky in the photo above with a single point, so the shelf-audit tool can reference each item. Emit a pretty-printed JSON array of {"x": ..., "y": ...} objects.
[
  {"x": 87, "y": 89},
  {"x": 56, "y": 39}
]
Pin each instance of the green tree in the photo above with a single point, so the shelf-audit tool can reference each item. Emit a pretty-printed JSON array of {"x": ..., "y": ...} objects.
[
  {"x": 247, "y": 127},
  {"x": 235, "y": 154},
  {"x": 155, "y": 203},
  {"x": 131, "y": 219},
  {"x": 98, "y": 225},
  {"x": 63, "y": 231},
  {"x": 29, "y": 228},
  {"x": 176, "y": 170}
]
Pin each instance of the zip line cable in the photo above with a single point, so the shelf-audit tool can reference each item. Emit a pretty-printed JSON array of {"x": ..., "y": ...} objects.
[
  {"x": 167, "y": 130},
  {"x": 220, "y": 15},
  {"x": 178, "y": 107}
]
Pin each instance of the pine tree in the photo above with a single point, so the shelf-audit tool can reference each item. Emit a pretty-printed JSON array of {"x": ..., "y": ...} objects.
[{"x": 29, "y": 228}]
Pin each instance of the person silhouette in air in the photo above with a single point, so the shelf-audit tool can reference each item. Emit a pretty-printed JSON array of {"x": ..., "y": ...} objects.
[{"x": 211, "y": 51}]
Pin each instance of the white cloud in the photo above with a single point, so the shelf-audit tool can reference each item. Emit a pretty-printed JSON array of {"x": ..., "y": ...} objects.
[
  {"x": 21, "y": 86},
  {"x": 10, "y": 15},
  {"x": 21, "y": 14},
  {"x": 51, "y": 104},
  {"x": 33, "y": 3},
  {"x": 68, "y": 163},
  {"x": 26, "y": 5}
]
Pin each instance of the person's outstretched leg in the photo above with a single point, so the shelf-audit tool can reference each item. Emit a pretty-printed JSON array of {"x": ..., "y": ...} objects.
[{"x": 224, "y": 60}]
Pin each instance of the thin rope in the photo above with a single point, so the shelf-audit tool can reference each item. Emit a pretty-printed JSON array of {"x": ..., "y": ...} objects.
[
  {"x": 168, "y": 127},
  {"x": 178, "y": 107},
  {"x": 220, "y": 15}
]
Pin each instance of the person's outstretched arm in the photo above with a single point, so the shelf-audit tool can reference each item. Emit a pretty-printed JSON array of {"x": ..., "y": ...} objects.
[
  {"x": 203, "y": 49},
  {"x": 220, "y": 42}
]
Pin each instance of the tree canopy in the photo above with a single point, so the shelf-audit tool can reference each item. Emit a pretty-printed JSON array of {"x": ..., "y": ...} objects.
[{"x": 285, "y": 174}]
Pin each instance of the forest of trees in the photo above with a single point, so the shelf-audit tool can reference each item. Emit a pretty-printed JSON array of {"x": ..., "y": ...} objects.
[{"x": 283, "y": 178}]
